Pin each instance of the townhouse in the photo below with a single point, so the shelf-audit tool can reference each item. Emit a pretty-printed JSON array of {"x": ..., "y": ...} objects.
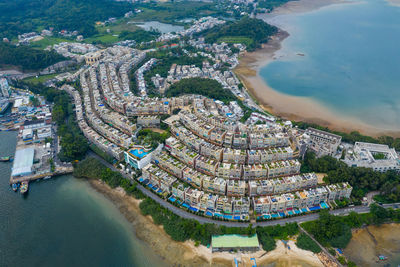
[
  {"x": 236, "y": 188},
  {"x": 159, "y": 178},
  {"x": 230, "y": 171},
  {"x": 193, "y": 197}
]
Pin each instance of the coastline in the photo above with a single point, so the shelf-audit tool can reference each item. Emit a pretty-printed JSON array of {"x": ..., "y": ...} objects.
[
  {"x": 293, "y": 107},
  {"x": 186, "y": 253},
  {"x": 369, "y": 242},
  {"x": 395, "y": 3}
]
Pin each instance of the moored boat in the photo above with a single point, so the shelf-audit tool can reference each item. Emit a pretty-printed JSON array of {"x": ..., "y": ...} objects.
[
  {"x": 15, "y": 186},
  {"x": 5, "y": 159},
  {"x": 24, "y": 187}
]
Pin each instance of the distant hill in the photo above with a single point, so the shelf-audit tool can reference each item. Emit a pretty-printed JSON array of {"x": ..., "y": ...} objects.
[
  {"x": 19, "y": 16},
  {"x": 26, "y": 58},
  {"x": 251, "y": 32}
]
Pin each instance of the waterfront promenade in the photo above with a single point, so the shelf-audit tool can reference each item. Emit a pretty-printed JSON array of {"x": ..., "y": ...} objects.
[{"x": 187, "y": 215}]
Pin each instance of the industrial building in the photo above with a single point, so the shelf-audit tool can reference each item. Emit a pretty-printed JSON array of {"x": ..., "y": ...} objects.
[{"x": 23, "y": 162}]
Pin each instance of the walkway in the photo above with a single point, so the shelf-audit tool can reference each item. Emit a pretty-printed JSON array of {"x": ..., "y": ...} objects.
[{"x": 321, "y": 246}]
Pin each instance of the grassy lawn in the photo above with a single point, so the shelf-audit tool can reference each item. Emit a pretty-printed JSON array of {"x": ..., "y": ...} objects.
[
  {"x": 122, "y": 26},
  {"x": 171, "y": 12},
  {"x": 40, "y": 79},
  {"x": 235, "y": 40},
  {"x": 49, "y": 40},
  {"x": 104, "y": 38}
]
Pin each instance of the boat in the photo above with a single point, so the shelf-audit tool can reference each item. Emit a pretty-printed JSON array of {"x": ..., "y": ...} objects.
[
  {"x": 47, "y": 177},
  {"x": 15, "y": 187},
  {"x": 382, "y": 257},
  {"x": 5, "y": 159},
  {"x": 24, "y": 187}
]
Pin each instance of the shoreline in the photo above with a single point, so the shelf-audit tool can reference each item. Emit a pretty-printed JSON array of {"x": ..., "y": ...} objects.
[
  {"x": 371, "y": 241},
  {"x": 186, "y": 253},
  {"x": 395, "y": 3},
  {"x": 290, "y": 107}
]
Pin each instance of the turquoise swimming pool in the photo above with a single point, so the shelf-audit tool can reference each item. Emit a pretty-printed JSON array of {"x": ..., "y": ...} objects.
[{"x": 138, "y": 152}]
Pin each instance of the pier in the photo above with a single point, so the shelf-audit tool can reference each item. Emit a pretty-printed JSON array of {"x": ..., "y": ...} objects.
[{"x": 58, "y": 171}]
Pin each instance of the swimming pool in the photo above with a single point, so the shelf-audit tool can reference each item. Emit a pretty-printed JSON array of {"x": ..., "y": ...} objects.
[
  {"x": 138, "y": 152},
  {"x": 324, "y": 205}
]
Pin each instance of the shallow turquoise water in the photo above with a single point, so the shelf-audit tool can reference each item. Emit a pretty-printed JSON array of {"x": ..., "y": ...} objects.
[
  {"x": 351, "y": 61},
  {"x": 64, "y": 222}
]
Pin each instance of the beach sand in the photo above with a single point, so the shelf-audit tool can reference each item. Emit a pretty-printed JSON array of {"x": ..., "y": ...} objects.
[
  {"x": 369, "y": 242},
  {"x": 186, "y": 253},
  {"x": 293, "y": 107}
]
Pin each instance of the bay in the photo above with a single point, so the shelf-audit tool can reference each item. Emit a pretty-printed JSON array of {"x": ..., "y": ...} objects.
[
  {"x": 64, "y": 222},
  {"x": 344, "y": 56}
]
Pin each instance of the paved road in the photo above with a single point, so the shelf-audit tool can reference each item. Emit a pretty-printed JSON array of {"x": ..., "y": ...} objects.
[{"x": 202, "y": 220}]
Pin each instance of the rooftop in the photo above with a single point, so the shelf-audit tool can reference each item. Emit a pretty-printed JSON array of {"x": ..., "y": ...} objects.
[
  {"x": 239, "y": 241},
  {"x": 23, "y": 162}
]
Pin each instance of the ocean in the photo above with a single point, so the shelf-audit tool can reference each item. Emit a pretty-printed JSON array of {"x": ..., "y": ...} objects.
[
  {"x": 344, "y": 56},
  {"x": 64, "y": 222}
]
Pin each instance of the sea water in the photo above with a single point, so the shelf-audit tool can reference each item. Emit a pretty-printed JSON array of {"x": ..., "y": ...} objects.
[
  {"x": 63, "y": 222},
  {"x": 345, "y": 56}
]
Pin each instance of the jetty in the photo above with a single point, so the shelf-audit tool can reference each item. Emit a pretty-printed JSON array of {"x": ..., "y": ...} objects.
[{"x": 58, "y": 171}]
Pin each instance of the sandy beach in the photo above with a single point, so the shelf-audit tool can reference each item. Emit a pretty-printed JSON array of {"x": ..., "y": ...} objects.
[
  {"x": 293, "y": 107},
  {"x": 187, "y": 254},
  {"x": 369, "y": 242}
]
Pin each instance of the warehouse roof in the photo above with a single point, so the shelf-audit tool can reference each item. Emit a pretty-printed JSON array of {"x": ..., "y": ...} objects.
[
  {"x": 230, "y": 241},
  {"x": 23, "y": 161}
]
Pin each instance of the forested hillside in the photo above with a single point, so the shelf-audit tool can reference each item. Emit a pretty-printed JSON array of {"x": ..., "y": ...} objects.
[
  {"x": 252, "y": 32},
  {"x": 26, "y": 58},
  {"x": 19, "y": 16}
]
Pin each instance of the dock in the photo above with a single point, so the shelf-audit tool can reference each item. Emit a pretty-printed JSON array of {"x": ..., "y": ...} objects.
[{"x": 28, "y": 178}]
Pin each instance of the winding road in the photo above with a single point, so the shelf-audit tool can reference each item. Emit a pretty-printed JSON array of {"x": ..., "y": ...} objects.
[{"x": 203, "y": 220}]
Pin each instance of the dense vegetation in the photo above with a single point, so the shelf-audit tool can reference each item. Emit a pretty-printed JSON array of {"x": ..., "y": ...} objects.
[
  {"x": 209, "y": 88},
  {"x": 19, "y": 16},
  {"x": 92, "y": 168},
  {"x": 305, "y": 242},
  {"x": 104, "y": 155},
  {"x": 165, "y": 59},
  {"x": 255, "y": 32},
  {"x": 26, "y": 58},
  {"x": 363, "y": 180},
  {"x": 268, "y": 234},
  {"x": 173, "y": 12},
  {"x": 73, "y": 144},
  {"x": 330, "y": 230},
  {"x": 355, "y": 136},
  {"x": 206, "y": 87},
  {"x": 335, "y": 231},
  {"x": 139, "y": 35},
  {"x": 147, "y": 136}
]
